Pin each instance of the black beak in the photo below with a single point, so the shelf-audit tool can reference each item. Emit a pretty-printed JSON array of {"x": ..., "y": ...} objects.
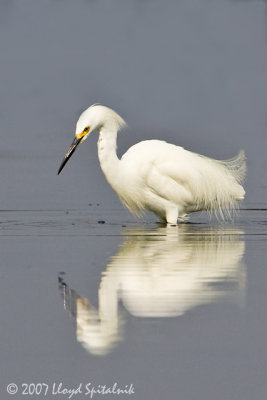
[{"x": 69, "y": 153}]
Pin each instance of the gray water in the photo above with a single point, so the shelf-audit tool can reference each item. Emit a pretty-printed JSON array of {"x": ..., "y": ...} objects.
[
  {"x": 88, "y": 293},
  {"x": 177, "y": 312}
]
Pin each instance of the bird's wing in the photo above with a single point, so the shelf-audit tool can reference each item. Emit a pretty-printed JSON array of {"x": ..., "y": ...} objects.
[
  {"x": 165, "y": 169},
  {"x": 168, "y": 184}
]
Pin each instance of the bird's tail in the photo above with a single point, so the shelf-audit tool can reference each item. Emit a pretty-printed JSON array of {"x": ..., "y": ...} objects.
[
  {"x": 236, "y": 166},
  {"x": 221, "y": 187}
]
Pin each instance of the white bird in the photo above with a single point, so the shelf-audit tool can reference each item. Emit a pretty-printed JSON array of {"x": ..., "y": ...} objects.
[{"x": 158, "y": 176}]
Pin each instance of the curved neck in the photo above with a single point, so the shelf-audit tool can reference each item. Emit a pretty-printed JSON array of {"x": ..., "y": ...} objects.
[{"x": 107, "y": 154}]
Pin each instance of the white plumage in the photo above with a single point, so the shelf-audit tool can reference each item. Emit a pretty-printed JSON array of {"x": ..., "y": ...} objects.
[{"x": 161, "y": 177}]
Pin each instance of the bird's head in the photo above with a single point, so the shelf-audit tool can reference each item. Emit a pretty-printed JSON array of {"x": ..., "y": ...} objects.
[{"x": 93, "y": 118}]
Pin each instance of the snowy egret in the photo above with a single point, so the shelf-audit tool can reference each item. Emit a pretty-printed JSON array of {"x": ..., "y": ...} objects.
[{"x": 161, "y": 177}]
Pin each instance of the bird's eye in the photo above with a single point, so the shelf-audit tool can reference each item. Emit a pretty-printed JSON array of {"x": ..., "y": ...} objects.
[{"x": 86, "y": 129}]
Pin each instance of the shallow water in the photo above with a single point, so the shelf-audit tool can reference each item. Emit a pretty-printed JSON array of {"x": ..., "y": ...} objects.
[{"x": 170, "y": 310}]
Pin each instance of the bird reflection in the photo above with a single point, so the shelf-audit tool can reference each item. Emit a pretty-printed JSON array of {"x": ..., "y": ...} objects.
[{"x": 159, "y": 273}]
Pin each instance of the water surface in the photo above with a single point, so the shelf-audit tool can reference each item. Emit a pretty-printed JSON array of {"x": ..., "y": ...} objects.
[{"x": 170, "y": 310}]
